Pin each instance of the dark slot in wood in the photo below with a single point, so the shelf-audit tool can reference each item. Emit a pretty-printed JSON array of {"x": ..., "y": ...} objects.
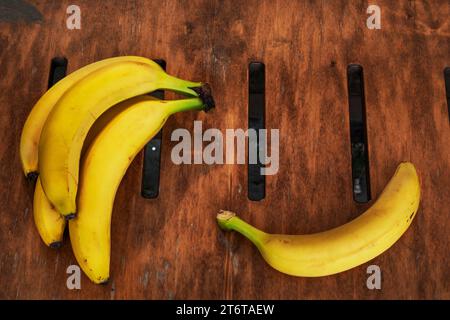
[
  {"x": 256, "y": 121},
  {"x": 152, "y": 156},
  {"x": 447, "y": 88},
  {"x": 58, "y": 70},
  {"x": 358, "y": 134}
]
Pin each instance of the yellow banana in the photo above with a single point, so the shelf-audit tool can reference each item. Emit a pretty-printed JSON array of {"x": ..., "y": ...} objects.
[
  {"x": 68, "y": 123},
  {"x": 49, "y": 223},
  {"x": 344, "y": 247},
  {"x": 103, "y": 167},
  {"x": 29, "y": 140}
]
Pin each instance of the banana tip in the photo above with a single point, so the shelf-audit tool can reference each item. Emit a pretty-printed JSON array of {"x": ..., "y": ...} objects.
[
  {"x": 55, "y": 245},
  {"x": 205, "y": 94},
  {"x": 32, "y": 176},
  {"x": 70, "y": 216}
]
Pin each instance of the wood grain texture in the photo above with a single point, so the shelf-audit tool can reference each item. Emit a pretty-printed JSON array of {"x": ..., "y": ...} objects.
[{"x": 170, "y": 247}]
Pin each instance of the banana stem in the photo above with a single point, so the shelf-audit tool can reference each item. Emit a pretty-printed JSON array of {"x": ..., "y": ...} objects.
[
  {"x": 182, "y": 86},
  {"x": 175, "y": 106},
  {"x": 228, "y": 220}
]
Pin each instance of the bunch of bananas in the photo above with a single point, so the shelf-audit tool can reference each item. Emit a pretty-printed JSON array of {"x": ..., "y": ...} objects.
[
  {"x": 101, "y": 115},
  {"x": 344, "y": 247}
]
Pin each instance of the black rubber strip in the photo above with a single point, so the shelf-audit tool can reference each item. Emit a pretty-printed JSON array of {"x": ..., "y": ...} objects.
[
  {"x": 256, "y": 120},
  {"x": 152, "y": 156},
  {"x": 58, "y": 70},
  {"x": 358, "y": 134},
  {"x": 447, "y": 88}
]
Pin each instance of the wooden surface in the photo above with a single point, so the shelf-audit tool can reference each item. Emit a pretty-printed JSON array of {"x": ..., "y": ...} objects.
[{"x": 171, "y": 247}]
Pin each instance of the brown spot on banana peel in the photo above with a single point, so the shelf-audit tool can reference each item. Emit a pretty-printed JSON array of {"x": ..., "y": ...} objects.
[{"x": 410, "y": 217}]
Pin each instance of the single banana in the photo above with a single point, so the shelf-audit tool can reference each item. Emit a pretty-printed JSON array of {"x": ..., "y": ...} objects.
[
  {"x": 49, "y": 223},
  {"x": 344, "y": 247},
  {"x": 103, "y": 167},
  {"x": 68, "y": 123},
  {"x": 29, "y": 140}
]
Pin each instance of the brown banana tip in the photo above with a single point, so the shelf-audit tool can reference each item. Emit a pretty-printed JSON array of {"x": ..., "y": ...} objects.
[
  {"x": 104, "y": 282},
  {"x": 205, "y": 94},
  {"x": 56, "y": 245},
  {"x": 70, "y": 216},
  {"x": 32, "y": 176}
]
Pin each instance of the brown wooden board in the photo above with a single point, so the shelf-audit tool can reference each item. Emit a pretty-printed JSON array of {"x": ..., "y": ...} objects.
[{"x": 171, "y": 247}]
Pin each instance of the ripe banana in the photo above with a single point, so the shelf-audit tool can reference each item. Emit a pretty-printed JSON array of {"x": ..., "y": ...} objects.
[
  {"x": 29, "y": 140},
  {"x": 344, "y": 247},
  {"x": 68, "y": 123},
  {"x": 103, "y": 167},
  {"x": 49, "y": 223}
]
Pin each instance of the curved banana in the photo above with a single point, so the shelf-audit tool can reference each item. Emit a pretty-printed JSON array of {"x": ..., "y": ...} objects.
[
  {"x": 103, "y": 167},
  {"x": 344, "y": 247},
  {"x": 29, "y": 140},
  {"x": 49, "y": 223},
  {"x": 68, "y": 123}
]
